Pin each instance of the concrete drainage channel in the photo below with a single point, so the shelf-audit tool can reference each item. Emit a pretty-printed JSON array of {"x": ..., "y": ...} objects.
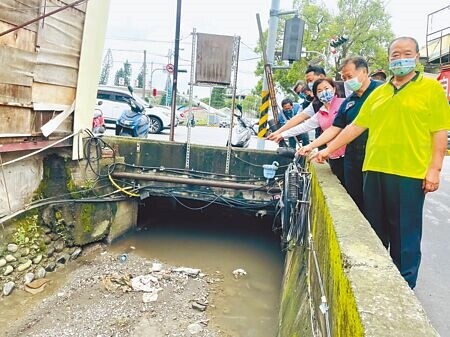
[
  {"x": 337, "y": 280},
  {"x": 181, "y": 271}
]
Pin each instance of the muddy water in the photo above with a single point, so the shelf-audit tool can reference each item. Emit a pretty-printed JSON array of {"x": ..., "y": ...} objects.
[{"x": 219, "y": 241}]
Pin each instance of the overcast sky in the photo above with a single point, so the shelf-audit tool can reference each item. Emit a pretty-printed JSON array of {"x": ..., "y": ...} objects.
[{"x": 151, "y": 24}]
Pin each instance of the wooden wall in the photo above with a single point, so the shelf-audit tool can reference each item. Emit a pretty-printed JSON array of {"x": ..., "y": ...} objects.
[{"x": 39, "y": 65}]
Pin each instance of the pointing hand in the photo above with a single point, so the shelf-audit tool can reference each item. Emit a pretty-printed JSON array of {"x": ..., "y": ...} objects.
[
  {"x": 276, "y": 137},
  {"x": 305, "y": 150},
  {"x": 320, "y": 157}
]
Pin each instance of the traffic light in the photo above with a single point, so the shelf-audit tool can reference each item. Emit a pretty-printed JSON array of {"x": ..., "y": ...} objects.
[
  {"x": 340, "y": 40},
  {"x": 154, "y": 92},
  {"x": 293, "y": 39}
]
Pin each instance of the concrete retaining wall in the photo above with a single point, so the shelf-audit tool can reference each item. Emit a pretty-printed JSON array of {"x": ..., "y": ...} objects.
[
  {"x": 365, "y": 293},
  {"x": 18, "y": 182}
]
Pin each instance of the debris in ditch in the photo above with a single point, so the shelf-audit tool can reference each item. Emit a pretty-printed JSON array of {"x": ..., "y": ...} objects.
[
  {"x": 197, "y": 305},
  {"x": 114, "y": 282},
  {"x": 157, "y": 267},
  {"x": 91, "y": 303},
  {"x": 238, "y": 273},
  {"x": 36, "y": 286},
  {"x": 123, "y": 257},
  {"x": 145, "y": 283},
  {"x": 151, "y": 296},
  {"x": 188, "y": 271}
]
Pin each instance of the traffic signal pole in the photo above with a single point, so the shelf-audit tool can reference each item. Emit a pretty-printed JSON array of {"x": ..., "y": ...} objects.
[{"x": 270, "y": 53}]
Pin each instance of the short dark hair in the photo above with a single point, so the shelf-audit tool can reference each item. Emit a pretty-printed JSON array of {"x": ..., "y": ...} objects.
[
  {"x": 298, "y": 84},
  {"x": 320, "y": 80},
  {"x": 316, "y": 70},
  {"x": 287, "y": 101},
  {"x": 403, "y": 38},
  {"x": 358, "y": 61}
]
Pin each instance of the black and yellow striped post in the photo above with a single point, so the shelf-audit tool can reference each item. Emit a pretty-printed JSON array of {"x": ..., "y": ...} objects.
[{"x": 263, "y": 114}]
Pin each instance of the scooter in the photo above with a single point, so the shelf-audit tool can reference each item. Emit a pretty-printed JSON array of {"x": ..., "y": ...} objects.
[
  {"x": 98, "y": 123},
  {"x": 134, "y": 122},
  {"x": 242, "y": 130}
]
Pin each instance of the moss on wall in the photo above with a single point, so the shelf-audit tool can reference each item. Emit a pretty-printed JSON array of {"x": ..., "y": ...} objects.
[
  {"x": 295, "y": 317},
  {"x": 87, "y": 212},
  {"x": 295, "y": 313},
  {"x": 343, "y": 312}
]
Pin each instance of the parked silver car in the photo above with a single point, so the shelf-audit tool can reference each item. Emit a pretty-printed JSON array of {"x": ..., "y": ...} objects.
[{"x": 111, "y": 101}]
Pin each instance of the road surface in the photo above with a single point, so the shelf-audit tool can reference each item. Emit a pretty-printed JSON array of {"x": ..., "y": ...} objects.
[{"x": 434, "y": 275}]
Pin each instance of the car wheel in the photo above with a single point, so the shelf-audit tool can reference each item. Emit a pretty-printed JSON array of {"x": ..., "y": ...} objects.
[{"x": 155, "y": 125}]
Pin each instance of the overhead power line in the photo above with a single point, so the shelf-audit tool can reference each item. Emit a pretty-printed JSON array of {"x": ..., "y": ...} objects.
[{"x": 121, "y": 38}]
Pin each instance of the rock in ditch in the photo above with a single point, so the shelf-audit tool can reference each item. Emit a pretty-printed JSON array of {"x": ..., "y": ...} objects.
[
  {"x": 8, "y": 288},
  {"x": 37, "y": 259},
  {"x": 24, "y": 266},
  {"x": 50, "y": 267},
  {"x": 8, "y": 270},
  {"x": 12, "y": 248},
  {"x": 40, "y": 273},
  {"x": 10, "y": 258},
  {"x": 76, "y": 253},
  {"x": 28, "y": 278},
  {"x": 2, "y": 262},
  {"x": 195, "y": 328}
]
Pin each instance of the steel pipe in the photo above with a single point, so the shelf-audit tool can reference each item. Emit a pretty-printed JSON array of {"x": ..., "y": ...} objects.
[{"x": 194, "y": 181}]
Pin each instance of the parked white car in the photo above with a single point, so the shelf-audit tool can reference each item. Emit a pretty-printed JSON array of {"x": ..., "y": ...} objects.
[{"x": 111, "y": 101}]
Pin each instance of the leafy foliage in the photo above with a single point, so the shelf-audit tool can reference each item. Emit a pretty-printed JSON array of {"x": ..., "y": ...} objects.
[
  {"x": 218, "y": 97},
  {"x": 106, "y": 68},
  {"x": 364, "y": 22},
  {"x": 27, "y": 232},
  {"x": 140, "y": 78},
  {"x": 125, "y": 73}
]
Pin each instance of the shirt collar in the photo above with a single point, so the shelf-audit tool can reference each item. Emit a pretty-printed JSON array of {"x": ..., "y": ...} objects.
[{"x": 417, "y": 76}]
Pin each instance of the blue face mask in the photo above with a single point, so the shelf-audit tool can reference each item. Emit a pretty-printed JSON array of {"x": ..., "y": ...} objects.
[
  {"x": 326, "y": 96},
  {"x": 288, "y": 113},
  {"x": 353, "y": 84},
  {"x": 301, "y": 95},
  {"x": 310, "y": 85},
  {"x": 402, "y": 67}
]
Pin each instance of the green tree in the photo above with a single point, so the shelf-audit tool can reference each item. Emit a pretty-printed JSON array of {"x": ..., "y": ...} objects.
[
  {"x": 125, "y": 73},
  {"x": 162, "y": 101},
  {"x": 140, "y": 78},
  {"x": 364, "y": 22},
  {"x": 218, "y": 97},
  {"x": 106, "y": 68}
]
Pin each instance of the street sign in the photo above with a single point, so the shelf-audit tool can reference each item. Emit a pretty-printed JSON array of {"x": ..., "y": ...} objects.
[{"x": 170, "y": 68}]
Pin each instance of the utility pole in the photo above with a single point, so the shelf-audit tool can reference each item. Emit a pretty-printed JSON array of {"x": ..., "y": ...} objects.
[
  {"x": 175, "y": 71},
  {"x": 144, "y": 74},
  {"x": 270, "y": 52}
]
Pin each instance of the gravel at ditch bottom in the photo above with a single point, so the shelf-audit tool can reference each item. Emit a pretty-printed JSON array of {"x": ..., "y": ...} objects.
[{"x": 85, "y": 307}]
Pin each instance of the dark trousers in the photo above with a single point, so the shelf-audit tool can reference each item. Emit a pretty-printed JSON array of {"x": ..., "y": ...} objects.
[
  {"x": 337, "y": 167},
  {"x": 353, "y": 177},
  {"x": 394, "y": 205},
  {"x": 303, "y": 138}
]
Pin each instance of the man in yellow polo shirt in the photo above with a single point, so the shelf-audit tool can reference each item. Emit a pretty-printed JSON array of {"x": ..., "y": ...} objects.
[{"x": 407, "y": 118}]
